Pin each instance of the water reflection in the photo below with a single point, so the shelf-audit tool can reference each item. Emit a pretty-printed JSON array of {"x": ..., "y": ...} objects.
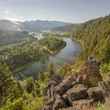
[{"x": 66, "y": 55}]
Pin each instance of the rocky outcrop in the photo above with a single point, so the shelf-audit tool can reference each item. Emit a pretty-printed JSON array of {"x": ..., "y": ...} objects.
[{"x": 76, "y": 92}]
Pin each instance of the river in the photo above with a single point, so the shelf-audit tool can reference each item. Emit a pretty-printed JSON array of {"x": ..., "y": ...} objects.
[{"x": 66, "y": 55}]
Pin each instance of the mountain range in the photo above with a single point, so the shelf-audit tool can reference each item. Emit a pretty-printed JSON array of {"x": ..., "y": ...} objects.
[{"x": 30, "y": 26}]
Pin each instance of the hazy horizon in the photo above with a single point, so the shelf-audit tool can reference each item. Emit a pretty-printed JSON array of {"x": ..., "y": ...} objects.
[{"x": 73, "y": 11}]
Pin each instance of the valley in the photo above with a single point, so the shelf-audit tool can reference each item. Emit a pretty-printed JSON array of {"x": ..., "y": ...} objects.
[
  {"x": 18, "y": 56},
  {"x": 69, "y": 63}
]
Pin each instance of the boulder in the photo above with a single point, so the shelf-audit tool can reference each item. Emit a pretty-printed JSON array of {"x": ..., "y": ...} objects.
[
  {"x": 47, "y": 107},
  {"x": 79, "y": 91},
  {"x": 49, "y": 101},
  {"x": 105, "y": 85},
  {"x": 90, "y": 72},
  {"x": 56, "y": 79},
  {"x": 83, "y": 104},
  {"x": 53, "y": 82},
  {"x": 58, "y": 103},
  {"x": 96, "y": 93},
  {"x": 65, "y": 85}
]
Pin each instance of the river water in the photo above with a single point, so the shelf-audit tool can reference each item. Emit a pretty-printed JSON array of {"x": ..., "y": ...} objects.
[{"x": 66, "y": 55}]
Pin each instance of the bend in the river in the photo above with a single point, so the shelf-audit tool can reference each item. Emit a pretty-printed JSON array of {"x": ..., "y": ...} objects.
[{"x": 66, "y": 55}]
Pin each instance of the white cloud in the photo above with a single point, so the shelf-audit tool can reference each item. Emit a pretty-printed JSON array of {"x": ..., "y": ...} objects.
[{"x": 6, "y": 14}]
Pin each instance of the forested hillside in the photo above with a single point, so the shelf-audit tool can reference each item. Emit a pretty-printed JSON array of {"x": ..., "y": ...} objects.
[
  {"x": 94, "y": 37},
  {"x": 8, "y": 37},
  {"x": 66, "y": 28}
]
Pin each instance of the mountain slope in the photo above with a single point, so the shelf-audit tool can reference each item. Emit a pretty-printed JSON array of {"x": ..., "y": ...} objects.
[
  {"x": 39, "y": 25},
  {"x": 66, "y": 28},
  {"x": 6, "y": 25},
  {"x": 11, "y": 32},
  {"x": 7, "y": 37},
  {"x": 94, "y": 36}
]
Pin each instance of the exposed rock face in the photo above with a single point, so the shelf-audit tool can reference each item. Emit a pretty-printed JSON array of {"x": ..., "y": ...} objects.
[
  {"x": 105, "y": 85},
  {"x": 76, "y": 92},
  {"x": 96, "y": 93},
  {"x": 90, "y": 72}
]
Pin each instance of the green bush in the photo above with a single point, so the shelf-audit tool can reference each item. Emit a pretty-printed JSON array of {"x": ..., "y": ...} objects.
[
  {"x": 100, "y": 107},
  {"x": 15, "y": 105},
  {"x": 105, "y": 68}
]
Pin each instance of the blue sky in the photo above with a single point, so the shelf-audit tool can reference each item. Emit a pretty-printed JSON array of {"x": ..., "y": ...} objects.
[{"x": 62, "y": 10}]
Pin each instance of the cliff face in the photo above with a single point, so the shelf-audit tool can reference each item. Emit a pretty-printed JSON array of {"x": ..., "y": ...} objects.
[{"x": 81, "y": 91}]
